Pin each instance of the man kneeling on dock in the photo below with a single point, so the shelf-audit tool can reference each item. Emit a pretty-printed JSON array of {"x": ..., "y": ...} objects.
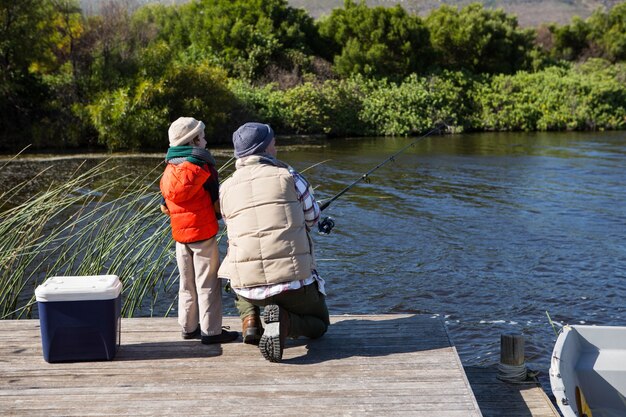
[{"x": 269, "y": 209}]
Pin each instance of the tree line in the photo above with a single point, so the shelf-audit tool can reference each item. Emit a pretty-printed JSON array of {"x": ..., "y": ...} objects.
[{"x": 119, "y": 78}]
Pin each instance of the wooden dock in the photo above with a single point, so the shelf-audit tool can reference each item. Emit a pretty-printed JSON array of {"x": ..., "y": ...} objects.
[
  {"x": 365, "y": 365},
  {"x": 497, "y": 399}
]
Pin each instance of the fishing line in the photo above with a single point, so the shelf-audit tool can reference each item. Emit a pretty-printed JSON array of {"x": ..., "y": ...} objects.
[
  {"x": 327, "y": 223},
  {"x": 365, "y": 176}
]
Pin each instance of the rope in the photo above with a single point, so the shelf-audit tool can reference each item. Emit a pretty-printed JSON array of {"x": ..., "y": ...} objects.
[{"x": 512, "y": 373}]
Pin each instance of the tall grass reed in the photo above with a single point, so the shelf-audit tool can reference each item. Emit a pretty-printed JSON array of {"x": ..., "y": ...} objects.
[{"x": 86, "y": 226}]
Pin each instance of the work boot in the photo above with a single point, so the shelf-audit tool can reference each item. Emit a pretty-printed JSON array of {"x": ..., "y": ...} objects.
[
  {"x": 251, "y": 329},
  {"x": 224, "y": 337},
  {"x": 272, "y": 342}
]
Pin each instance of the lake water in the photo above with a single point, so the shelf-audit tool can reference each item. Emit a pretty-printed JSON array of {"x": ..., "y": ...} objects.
[{"x": 487, "y": 231}]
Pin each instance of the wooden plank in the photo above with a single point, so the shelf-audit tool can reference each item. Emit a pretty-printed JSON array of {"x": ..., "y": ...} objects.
[
  {"x": 365, "y": 365},
  {"x": 497, "y": 398}
]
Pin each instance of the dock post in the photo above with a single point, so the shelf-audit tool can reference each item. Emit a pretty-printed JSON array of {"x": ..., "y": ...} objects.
[{"x": 512, "y": 366}]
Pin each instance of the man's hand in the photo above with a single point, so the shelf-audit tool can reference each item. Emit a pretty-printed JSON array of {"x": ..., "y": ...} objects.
[{"x": 165, "y": 210}]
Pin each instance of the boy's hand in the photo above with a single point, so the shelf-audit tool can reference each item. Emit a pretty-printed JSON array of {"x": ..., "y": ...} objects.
[
  {"x": 165, "y": 210},
  {"x": 216, "y": 207}
]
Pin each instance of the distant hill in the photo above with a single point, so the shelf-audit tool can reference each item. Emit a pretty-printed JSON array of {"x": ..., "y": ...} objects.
[{"x": 528, "y": 12}]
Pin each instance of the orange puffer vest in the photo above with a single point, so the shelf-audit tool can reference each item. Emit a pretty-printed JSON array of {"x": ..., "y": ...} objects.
[{"x": 191, "y": 209}]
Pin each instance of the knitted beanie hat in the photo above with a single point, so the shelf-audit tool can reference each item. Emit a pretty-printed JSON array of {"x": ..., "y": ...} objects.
[
  {"x": 183, "y": 130},
  {"x": 252, "y": 138}
]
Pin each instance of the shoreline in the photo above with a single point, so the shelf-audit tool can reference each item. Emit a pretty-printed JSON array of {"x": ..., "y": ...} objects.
[{"x": 60, "y": 155}]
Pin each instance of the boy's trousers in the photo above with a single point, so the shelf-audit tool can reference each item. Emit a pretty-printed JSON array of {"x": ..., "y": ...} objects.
[{"x": 200, "y": 292}]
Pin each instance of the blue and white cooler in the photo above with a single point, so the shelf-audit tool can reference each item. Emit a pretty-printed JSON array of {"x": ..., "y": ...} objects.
[{"x": 80, "y": 317}]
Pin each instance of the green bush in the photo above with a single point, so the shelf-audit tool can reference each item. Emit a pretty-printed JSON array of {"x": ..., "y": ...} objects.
[
  {"x": 608, "y": 30},
  {"x": 128, "y": 118},
  {"x": 397, "y": 109},
  {"x": 327, "y": 108},
  {"x": 138, "y": 117},
  {"x": 416, "y": 104},
  {"x": 343, "y": 103},
  {"x": 556, "y": 98},
  {"x": 332, "y": 108},
  {"x": 245, "y": 36},
  {"x": 606, "y": 99},
  {"x": 264, "y": 104},
  {"x": 376, "y": 42},
  {"x": 304, "y": 106},
  {"x": 199, "y": 90},
  {"x": 478, "y": 39}
]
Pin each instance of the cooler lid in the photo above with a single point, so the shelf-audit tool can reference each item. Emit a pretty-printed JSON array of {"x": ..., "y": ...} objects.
[{"x": 79, "y": 288}]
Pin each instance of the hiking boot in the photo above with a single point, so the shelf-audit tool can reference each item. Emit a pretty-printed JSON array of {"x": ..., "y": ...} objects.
[
  {"x": 251, "y": 329},
  {"x": 224, "y": 337},
  {"x": 272, "y": 342},
  {"x": 191, "y": 335}
]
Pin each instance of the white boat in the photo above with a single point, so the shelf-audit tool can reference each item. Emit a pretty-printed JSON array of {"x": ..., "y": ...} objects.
[{"x": 588, "y": 371}]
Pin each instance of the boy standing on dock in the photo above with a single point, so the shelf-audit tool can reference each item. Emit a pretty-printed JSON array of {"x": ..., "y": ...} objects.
[
  {"x": 190, "y": 189},
  {"x": 268, "y": 209}
]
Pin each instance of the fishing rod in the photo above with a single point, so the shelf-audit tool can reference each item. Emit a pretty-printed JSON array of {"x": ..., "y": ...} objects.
[{"x": 326, "y": 224}]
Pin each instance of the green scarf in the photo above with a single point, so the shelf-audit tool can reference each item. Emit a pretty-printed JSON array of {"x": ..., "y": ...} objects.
[{"x": 193, "y": 154}]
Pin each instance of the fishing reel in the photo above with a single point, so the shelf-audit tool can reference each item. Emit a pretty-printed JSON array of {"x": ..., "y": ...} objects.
[{"x": 325, "y": 225}]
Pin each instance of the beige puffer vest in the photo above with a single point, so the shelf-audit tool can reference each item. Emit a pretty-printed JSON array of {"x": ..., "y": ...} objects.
[{"x": 267, "y": 238}]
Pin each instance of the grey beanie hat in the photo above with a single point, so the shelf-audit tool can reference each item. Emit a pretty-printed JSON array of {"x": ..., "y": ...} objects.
[
  {"x": 183, "y": 130},
  {"x": 252, "y": 138}
]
